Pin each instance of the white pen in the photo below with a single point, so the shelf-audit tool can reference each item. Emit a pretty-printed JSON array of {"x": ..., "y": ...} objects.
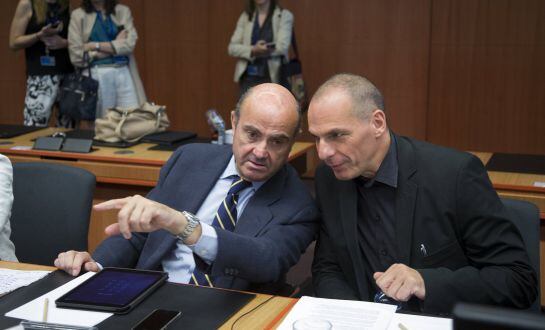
[
  {"x": 402, "y": 326},
  {"x": 46, "y": 308}
]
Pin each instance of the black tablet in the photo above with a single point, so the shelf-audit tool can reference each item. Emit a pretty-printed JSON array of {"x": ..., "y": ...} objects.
[{"x": 115, "y": 290}]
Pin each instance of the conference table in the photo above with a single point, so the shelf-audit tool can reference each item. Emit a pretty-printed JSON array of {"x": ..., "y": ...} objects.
[
  {"x": 258, "y": 311},
  {"x": 120, "y": 172},
  {"x": 267, "y": 316},
  {"x": 524, "y": 186}
]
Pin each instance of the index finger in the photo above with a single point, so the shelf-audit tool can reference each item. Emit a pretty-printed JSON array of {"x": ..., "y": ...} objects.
[
  {"x": 377, "y": 275},
  {"x": 112, "y": 204},
  {"x": 79, "y": 260},
  {"x": 386, "y": 279}
]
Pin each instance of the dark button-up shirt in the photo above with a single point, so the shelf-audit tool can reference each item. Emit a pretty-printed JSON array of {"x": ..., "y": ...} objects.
[{"x": 376, "y": 214}]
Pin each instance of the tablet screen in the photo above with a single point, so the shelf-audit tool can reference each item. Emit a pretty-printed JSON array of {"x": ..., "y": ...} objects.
[{"x": 113, "y": 287}]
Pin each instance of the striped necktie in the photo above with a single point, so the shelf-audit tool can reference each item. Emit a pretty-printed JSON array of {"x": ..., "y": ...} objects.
[{"x": 225, "y": 218}]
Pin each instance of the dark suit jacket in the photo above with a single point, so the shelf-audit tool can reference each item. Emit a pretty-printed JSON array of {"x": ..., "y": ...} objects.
[
  {"x": 277, "y": 225},
  {"x": 444, "y": 201}
]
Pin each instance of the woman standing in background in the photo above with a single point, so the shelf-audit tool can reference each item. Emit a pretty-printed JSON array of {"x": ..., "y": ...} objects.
[
  {"x": 261, "y": 41},
  {"x": 40, "y": 27},
  {"x": 104, "y": 29}
]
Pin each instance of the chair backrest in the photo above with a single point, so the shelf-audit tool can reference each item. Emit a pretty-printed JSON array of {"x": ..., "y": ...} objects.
[
  {"x": 525, "y": 216},
  {"x": 51, "y": 210},
  {"x": 481, "y": 317}
]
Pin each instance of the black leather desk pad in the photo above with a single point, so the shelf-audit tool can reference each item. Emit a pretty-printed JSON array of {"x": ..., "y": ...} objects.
[
  {"x": 168, "y": 137},
  {"x": 90, "y": 134},
  {"x": 517, "y": 163},
  {"x": 175, "y": 146},
  {"x": 202, "y": 308},
  {"x": 9, "y": 131}
]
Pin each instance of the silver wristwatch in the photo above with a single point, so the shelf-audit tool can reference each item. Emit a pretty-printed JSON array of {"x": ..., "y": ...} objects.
[{"x": 192, "y": 223}]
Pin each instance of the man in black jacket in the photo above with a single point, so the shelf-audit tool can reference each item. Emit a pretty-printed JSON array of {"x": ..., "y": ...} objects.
[{"x": 404, "y": 220}]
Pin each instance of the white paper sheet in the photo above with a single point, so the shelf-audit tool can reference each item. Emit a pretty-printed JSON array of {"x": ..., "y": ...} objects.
[
  {"x": 417, "y": 322},
  {"x": 11, "y": 279},
  {"x": 33, "y": 310},
  {"x": 342, "y": 314}
]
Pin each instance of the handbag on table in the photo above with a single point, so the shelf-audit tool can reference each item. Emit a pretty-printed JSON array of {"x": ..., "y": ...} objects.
[
  {"x": 78, "y": 94},
  {"x": 291, "y": 74},
  {"x": 130, "y": 125}
]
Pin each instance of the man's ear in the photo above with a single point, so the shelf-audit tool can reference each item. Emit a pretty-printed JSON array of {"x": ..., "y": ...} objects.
[
  {"x": 233, "y": 120},
  {"x": 378, "y": 120}
]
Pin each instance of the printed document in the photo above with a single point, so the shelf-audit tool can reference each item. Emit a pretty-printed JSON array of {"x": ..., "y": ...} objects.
[
  {"x": 341, "y": 314},
  {"x": 34, "y": 310},
  {"x": 11, "y": 279}
]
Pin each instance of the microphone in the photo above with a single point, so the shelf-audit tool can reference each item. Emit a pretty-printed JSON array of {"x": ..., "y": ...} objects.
[{"x": 216, "y": 122}]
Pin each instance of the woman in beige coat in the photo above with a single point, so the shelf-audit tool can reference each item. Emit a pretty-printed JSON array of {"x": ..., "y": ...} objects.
[
  {"x": 105, "y": 31},
  {"x": 261, "y": 41}
]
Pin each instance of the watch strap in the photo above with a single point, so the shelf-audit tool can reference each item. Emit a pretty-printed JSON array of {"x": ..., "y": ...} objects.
[{"x": 192, "y": 223}]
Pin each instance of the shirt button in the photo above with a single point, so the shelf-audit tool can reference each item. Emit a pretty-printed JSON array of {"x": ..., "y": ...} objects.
[
  {"x": 377, "y": 218},
  {"x": 384, "y": 252},
  {"x": 203, "y": 251}
]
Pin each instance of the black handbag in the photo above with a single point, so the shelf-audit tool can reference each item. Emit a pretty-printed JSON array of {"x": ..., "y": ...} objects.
[
  {"x": 291, "y": 74},
  {"x": 78, "y": 94}
]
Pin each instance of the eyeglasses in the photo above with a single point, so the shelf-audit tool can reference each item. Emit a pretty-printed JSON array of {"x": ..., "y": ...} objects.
[{"x": 382, "y": 298}]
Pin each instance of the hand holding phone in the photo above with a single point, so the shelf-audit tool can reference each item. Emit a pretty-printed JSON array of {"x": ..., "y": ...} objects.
[{"x": 157, "y": 320}]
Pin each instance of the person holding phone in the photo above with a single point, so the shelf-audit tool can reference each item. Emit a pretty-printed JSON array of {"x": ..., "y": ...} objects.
[
  {"x": 260, "y": 41},
  {"x": 105, "y": 31},
  {"x": 40, "y": 27}
]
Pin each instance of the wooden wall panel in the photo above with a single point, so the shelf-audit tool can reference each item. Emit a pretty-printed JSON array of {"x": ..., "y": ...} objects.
[
  {"x": 12, "y": 68},
  {"x": 386, "y": 41},
  {"x": 468, "y": 73},
  {"x": 487, "y": 75}
]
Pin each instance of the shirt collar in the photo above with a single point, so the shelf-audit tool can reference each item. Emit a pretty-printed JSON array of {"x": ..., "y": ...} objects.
[
  {"x": 231, "y": 169},
  {"x": 388, "y": 170}
]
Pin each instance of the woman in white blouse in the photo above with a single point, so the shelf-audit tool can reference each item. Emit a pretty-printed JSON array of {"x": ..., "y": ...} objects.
[{"x": 7, "y": 249}]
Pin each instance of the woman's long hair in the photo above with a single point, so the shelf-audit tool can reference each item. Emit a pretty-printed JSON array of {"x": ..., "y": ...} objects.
[
  {"x": 250, "y": 8},
  {"x": 109, "y": 5},
  {"x": 40, "y": 9}
]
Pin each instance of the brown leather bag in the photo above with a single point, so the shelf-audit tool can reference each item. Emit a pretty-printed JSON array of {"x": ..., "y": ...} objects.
[{"x": 130, "y": 125}]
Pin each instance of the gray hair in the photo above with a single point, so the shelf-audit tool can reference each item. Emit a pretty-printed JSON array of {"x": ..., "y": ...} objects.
[
  {"x": 365, "y": 96},
  {"x": 249, "y": 92}
]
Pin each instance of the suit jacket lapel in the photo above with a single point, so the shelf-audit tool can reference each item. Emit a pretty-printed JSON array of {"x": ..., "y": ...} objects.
[
  {"x": 348, "y": 204},
  {"x": 193, "y": 189},
  {"x": 276, "y": 19},
  {"x": 405, "y": 200},
  {"x": 257, "y": 215},
  {"x": 87, "y": 24}
]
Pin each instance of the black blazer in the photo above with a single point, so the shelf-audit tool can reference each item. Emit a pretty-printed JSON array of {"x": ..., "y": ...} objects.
[{"x": 444, "y": 201}]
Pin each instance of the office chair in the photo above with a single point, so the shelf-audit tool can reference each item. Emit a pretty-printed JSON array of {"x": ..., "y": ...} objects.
[
  {"x": 299, "y": 277},
  {"x": 480, "y": 317},
  {"x": 51, "y": 210},
  {"x": 525, "y": 216}
]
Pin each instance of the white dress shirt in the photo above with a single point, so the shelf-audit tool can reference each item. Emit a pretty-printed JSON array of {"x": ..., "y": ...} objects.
[{"x": 179, "y": 263}]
